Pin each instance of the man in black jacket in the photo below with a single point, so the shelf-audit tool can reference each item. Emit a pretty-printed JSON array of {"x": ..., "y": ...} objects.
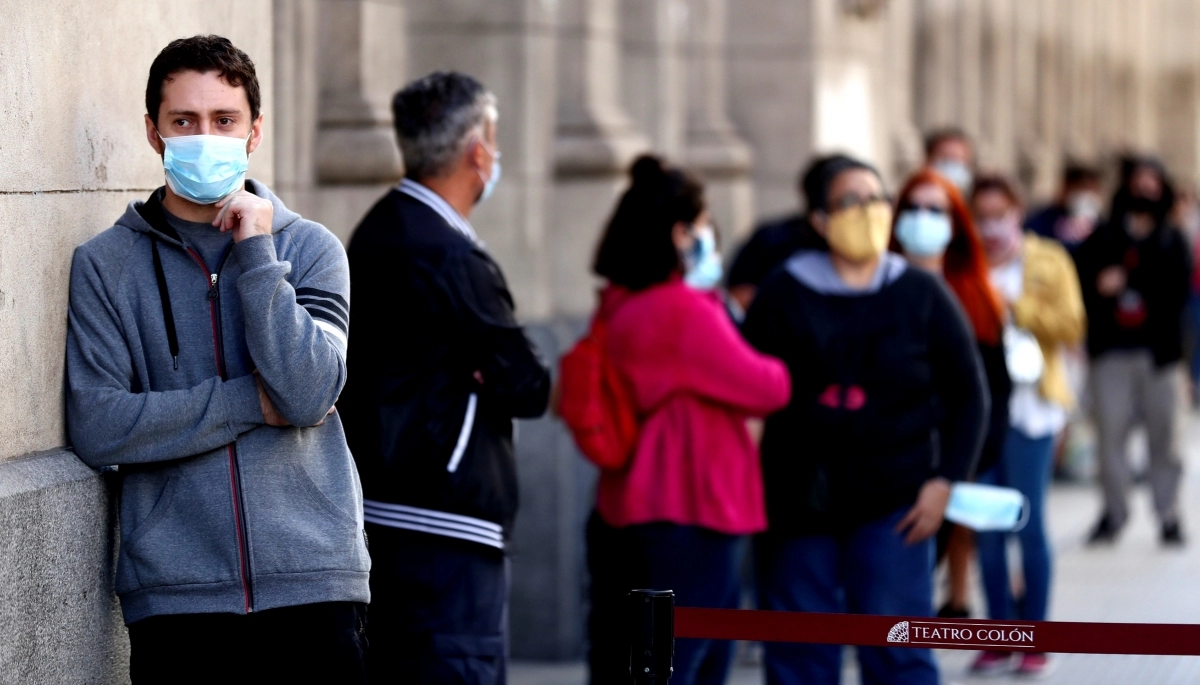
[
  {"x": 439, "y": 368},
  {"x": 1135, "y": 274}
]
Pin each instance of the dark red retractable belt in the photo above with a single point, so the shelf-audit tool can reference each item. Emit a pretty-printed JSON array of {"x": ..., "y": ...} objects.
[{"x": 938, "y": 633}]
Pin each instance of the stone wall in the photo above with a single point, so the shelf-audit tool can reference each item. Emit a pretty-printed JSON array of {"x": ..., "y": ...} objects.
[
  {"x": 73, "y": 152},
  {"x": 742, "y": 92}
]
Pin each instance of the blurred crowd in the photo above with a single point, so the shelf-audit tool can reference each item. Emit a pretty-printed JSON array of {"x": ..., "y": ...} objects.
[
  {"x": 813, "y": 412},
  {"x": 881, "y": 381}
]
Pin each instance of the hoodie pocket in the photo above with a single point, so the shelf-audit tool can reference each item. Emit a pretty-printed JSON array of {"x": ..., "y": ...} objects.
[
  {"x": 187, "y": 538},
  {"x": 295, "y": 527}
]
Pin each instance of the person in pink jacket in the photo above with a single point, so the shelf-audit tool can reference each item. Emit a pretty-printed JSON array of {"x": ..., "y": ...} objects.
[{"x": 678, "y": 514}]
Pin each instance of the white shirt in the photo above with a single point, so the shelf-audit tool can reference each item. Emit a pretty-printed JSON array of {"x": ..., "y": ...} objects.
[
  {"x": 1028, "y": 411},
  {"x": 435, "y": 202}
]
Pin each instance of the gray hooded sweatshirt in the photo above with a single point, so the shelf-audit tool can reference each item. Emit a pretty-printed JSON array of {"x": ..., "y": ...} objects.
[{"x": 219, "y": 512}]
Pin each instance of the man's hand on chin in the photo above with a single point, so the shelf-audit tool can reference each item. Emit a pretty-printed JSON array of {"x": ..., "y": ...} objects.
[{"x": 245, "y": 214}]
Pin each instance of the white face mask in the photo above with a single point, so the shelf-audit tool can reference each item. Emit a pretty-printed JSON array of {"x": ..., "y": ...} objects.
[
  {"x": 703, "y": 261},
  {"x": 987, "y": 507},
  {"x": 956, "y": 172}
]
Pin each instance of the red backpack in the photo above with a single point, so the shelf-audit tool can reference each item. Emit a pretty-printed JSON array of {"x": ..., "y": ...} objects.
[{"x": 595, "y": 402}]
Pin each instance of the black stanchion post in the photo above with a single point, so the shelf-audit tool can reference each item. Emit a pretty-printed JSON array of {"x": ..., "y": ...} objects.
[{"x": 651, "y": 636}]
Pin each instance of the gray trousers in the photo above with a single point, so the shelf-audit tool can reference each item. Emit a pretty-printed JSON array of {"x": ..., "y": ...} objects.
[{"x": 1127, "y": 389}]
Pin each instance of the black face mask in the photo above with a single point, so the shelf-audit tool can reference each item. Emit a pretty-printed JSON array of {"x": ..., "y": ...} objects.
[{"x": 1142, "y": 205}]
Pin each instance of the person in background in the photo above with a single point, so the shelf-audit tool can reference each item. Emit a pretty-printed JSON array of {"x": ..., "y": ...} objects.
[
  {"x": 1136, "y": 274},
  {"x": 441, "y": 367},
  {"x": 1044, "y": 308},
  {"x": 934, "y": 231},
  {"x": 949, "y": 152},
  {"x": 677, "y": 515},
  {"x": 1186, "y": 216},
  {"x": 774, "y": 241},
  {"x": 888, "y": 409},
  {"x": 206, "y": 347},
  {"x": 1075, "y": 213}
]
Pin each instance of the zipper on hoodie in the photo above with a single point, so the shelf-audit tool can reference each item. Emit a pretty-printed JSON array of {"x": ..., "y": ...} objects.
[{"x": 235, "y": 476}]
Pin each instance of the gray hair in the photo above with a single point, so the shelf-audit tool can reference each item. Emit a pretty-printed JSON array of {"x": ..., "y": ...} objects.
[{"x": 436, "y": 116}]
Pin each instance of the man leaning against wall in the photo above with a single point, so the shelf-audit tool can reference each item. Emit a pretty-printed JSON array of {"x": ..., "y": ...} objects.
[
  {"x": 440, "y": 368},
  {"x": 206, "y": 347}
]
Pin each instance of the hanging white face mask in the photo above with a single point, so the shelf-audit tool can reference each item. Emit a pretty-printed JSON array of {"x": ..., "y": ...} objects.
[{"x": 987, "y": 507}]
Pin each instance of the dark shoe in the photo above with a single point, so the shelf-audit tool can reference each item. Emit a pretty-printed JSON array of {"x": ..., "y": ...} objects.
[
  {"x": 1105, "y": 533},
  {"x": 1172, "y": 535},
  {"x": 948, "y": 610}
]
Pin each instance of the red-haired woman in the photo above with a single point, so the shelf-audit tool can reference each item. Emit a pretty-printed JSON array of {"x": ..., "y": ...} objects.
[{"x": 935, "y": 232}]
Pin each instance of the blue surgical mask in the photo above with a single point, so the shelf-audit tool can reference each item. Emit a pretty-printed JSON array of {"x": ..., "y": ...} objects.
[
  {"x": 489, "y": 184},
  {"x": 956, "y": 172},
  {"x": 987, "y": 507},
  {"x": 204, "y": 169},
  {"x": 703, "y": 263},
  {"x": 923, "y": 233}
]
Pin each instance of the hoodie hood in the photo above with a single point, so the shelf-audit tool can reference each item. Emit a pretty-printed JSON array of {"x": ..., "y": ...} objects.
[{"x": 140, "y": 215}]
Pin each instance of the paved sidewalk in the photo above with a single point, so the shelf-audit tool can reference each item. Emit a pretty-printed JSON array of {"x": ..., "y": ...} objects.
[{"x": 1133, "y": 581}]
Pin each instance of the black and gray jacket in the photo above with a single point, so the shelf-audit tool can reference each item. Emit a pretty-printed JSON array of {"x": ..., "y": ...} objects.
[
  {"x": 439, "y": 369},
  {"x": 220, "y": 513}
]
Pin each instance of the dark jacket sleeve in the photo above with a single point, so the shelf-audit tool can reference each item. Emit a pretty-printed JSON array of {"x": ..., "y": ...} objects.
[
  {"x": 961, "y": 387},
  {"x": 511, "y": 369}
]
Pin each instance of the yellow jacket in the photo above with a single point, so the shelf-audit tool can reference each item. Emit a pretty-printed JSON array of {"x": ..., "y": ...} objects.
[{"x": 1051, "y": 308}]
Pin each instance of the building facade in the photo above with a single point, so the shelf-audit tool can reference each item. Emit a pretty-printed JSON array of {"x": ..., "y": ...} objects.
[{"x": 741, "y": 92}]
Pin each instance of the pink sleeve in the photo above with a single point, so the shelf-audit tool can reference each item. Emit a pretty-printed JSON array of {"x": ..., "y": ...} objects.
[{"x": 722, "y": 367}]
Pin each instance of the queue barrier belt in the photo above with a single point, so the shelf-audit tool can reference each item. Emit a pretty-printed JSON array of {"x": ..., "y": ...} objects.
[{"x": 937, "y": 633}]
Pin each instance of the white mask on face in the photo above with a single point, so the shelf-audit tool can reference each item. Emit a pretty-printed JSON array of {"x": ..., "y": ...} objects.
[
  {"x": 956, "y": 172},
  {"x": 703, "y": 261}
]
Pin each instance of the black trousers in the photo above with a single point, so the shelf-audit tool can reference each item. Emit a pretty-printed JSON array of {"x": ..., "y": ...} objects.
[
  {"x": 310, "y": 643},
  {"x": 439, "y": 610}
]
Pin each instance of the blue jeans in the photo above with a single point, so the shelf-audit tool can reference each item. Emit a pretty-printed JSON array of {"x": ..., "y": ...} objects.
[
  {"x": 1194, "y": 312},
  {"x": 867, "y": 571},
  {"x": 702, "y": 566},
  {"x": 1025, "y": 464}
]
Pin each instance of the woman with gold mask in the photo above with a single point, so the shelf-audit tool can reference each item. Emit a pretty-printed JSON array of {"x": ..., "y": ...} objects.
[{"x": 888, "y": 408}]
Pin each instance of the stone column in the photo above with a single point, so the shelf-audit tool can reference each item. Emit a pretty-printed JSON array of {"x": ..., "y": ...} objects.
[
  {"x": 969, "y": 85},
  {"x": 654, "y": 70},
  {"x": 341, "y": 152},
  {"x": 714, "y": 148},
  {"x": 850, "y": 85},
  {"x": 997, "y": 149},
  {"x": 771, "y": 93},
  {"x": 595, "y": 143},
  {"x": 901, "y": 92},
  {"x": 1045, "y": 155},
  {"x": 937, "y": 60},
  {"x": 1179, "y": 96}
]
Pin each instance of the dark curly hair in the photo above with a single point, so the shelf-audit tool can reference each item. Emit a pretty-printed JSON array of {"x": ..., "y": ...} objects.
[
  {"x": 202, "y": 54},
  {"x": 636, "y": 250}
]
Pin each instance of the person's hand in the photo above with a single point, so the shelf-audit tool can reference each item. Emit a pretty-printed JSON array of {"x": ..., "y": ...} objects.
[
  {"x": 245, "y": 214},
  {"x": 926, "y": 516},
  {"x": 271, "y": 415},
  {"x": 1111, "y": 281}
]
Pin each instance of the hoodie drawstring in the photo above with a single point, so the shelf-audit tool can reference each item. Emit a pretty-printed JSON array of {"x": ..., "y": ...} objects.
[{"x": 164, "y": 296}]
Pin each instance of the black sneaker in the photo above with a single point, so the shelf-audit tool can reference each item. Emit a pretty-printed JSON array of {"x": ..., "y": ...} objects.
[
  {"x": 1105, "y": 532},
  {"x": 948, "y": 610},
  {"x": 1172, "y": 535}
]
